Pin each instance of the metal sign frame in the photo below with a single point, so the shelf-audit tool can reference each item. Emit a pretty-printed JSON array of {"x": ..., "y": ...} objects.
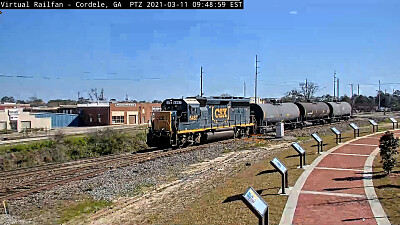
[
  {"x": 356, "y": 129},
  {"x": 302, "y": 153},
  {"x": 277, "y": 164},
  {"x": 263, "y": 217},
  {"x": 374, "y": 124},
  {"x": 319, "y": 141},
  {"x": 394, "y": 121},
  {"x": 338, "y": 134}
]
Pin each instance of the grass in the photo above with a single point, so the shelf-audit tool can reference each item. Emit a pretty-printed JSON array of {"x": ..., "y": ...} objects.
[
  {"x": 387, "y": 188},
  {"x": 303, "y": 138},
  {"x": 139, "y": 189},
  {"x": 81, "y": 208},
  {"x": 223, "y": 204},
  {"x": 61, "y": 149}
]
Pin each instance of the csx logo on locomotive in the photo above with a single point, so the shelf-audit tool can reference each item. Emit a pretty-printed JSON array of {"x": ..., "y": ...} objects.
[{"x": 221, "y": 113}]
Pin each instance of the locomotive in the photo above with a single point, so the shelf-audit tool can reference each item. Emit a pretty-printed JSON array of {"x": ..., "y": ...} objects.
[{"x": 197, "y": 120}]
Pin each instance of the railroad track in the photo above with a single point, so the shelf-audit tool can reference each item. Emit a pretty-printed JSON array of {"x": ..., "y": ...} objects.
[{"x": 47, "y": 177}]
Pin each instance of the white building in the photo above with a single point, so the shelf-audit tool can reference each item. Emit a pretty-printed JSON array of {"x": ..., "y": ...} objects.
[{"x": 17, "y": 120}]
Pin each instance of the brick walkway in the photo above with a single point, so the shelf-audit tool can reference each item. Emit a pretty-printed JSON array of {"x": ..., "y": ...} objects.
[{"x": 334, "y": 190}]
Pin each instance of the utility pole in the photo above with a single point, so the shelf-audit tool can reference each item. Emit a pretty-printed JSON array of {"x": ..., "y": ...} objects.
[
  {"x": 351, "y": 90},
  {"x": 255, "y": 85},
  {"x": 201, "y": 81},
  {"x": 379, "y": 95},
  {"x": 334, "y": 85},
  {"x": 244, "y": 89},
  {"x": 358, "y": 89},
  {"x": 338, "y": 96},
  {"x": 78, "y": 95},
  {"x": 306, "y": 91}
]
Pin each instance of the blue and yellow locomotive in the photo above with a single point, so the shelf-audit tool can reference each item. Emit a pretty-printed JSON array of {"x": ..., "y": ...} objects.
[{"x": 198, "y": 120}]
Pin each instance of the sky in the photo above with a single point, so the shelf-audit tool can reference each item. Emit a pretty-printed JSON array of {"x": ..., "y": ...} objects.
[{"x": 157, "y": 54}]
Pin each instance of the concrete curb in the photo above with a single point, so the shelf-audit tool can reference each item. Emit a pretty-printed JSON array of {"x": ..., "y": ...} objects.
[
  {"x": 291, "y": 204},
  {"x": 376, "y": 207}
]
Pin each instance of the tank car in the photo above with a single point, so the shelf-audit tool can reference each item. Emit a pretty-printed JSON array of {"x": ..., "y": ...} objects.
[
  {"x": 315, "y": 112},
  {"x": 267, "y": 115},
  {"x": 198, "y": 120},
  {"x": 339, "y": 111}
]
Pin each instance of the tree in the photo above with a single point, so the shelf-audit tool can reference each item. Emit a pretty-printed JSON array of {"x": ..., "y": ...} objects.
[
  {"x": 345, "y": 98},
  {"x": 94, "y": 96},
  {"x": 292, "y": 96},
  {"x": 156, "y": 101},
  {"x": 388, "y": 145},
  {"x": 7, "y": 99},
  {"x": 305, "y": 93},
  {"x": 308, "y": 90},
  {"x": 35, "y": 102}
]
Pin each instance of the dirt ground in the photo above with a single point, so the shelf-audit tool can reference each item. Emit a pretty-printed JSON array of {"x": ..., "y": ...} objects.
[{"x": 211, "y": 191}]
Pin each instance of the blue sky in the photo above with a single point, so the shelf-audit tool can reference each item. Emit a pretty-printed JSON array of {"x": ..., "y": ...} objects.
[{"x": 157, "y": 54}]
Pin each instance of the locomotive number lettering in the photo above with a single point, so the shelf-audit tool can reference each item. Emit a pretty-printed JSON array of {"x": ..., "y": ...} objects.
[
  {"x": 193, "y": 117},
  {"x": 221, "y": 113}
]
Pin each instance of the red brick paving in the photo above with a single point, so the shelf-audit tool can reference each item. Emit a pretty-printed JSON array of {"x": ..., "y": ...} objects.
[
  {"x": 368, "y": 141},
  {"x": 324, "y": 210},
  {"x": 343, "y": 161},
  {"x": 349, "y": 182},
  {"x": 356, "y": 149}
]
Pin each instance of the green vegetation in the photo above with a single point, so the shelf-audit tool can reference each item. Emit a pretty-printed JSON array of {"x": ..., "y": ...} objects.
[
  {"x": 61, "y": 148},
  {"x": 388, "y": 151},
  {"x": 84, "y": 207},
  {"x": 303, "y": 138},
  {"x": 387, "y": 189}
]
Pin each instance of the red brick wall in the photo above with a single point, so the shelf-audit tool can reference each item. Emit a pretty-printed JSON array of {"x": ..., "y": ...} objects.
[
  {"x": 138, "y": 107},
  {"x": 86, "y": 112}
]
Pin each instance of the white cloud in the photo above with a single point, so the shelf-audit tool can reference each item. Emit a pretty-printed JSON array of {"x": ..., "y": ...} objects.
[{"x": 293, "y": 12}]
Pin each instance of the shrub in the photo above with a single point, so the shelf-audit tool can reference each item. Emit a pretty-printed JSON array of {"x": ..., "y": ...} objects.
[{"x": 388, "y": 145}]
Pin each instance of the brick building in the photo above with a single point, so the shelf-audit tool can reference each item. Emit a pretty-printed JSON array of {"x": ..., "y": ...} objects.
[
  {"x": 116, "y": 113},
  {"x": 131, "y": 112}
]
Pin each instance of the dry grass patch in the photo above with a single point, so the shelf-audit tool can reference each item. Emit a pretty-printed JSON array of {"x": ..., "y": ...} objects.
[
  {"x": 387, "y": 188},
  {"x": 223, "y": 205}
]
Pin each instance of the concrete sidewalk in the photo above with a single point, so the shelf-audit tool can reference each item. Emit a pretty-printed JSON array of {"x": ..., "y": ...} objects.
[{"x": 337, "y": 187}]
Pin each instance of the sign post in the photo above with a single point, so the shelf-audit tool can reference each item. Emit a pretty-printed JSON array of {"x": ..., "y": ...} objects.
[
  {"x": 278, "y": 165},
  {"x": 302, "y": 153},
  {"x": 319, "y": 141},
  {"x": 338, "y": 135},
  {"x": 374, "y": 124},
  {"x": 394, "y": 121},
  {"x": 356, "y": 130},
  {"x": 257, "y": 205}
]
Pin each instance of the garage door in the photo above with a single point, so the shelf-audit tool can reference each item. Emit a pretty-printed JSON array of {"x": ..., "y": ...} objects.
[
  {"x": 26, "y": 124},
  {"x": 132, "y": 119}
]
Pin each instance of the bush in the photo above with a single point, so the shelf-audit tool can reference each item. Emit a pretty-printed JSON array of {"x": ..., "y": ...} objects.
[
  {"x": 388, "y": 145},
  {"x": 62, "y": 148}
]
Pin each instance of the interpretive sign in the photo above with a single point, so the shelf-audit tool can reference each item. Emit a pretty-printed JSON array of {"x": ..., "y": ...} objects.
[
  {"x": 255, "y": 200},
  {"x": 316, "y": 137},
  {"x": 278, "y": 165},
  {"x": 356, "y": 130},
  {"x": 354, "y": 126},
  {"x": 302, "y": 153},
  {"x": 372, "y": 122},
  {"x": 257, "y": 205},
  {"x": 394, "y": 121},
  {"x": 335, "y": 130},
  {"x": 298, "y": 148}
]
